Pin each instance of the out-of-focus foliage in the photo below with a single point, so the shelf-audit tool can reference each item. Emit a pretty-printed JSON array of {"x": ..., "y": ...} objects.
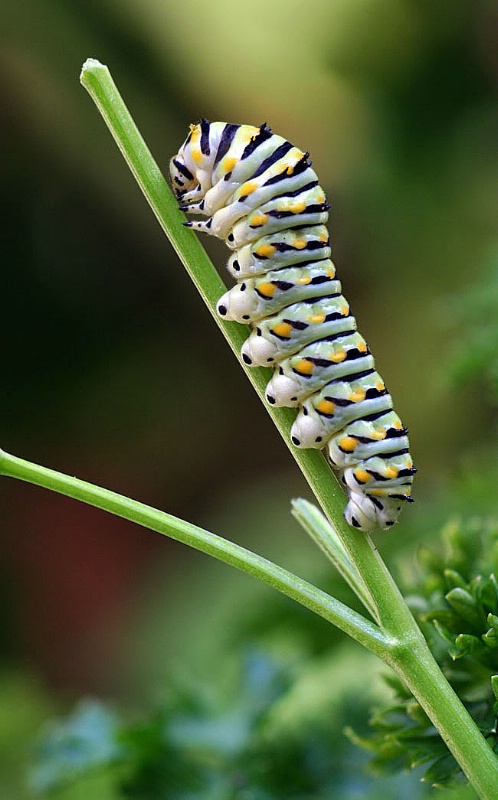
[
  {"x": 275, "y": 732},
  {"x": 474, "y": 322},
  {"x": 24, "y": 706},
  {"x": 456, "y": 603},
  {"x": 276, "y": 735}
]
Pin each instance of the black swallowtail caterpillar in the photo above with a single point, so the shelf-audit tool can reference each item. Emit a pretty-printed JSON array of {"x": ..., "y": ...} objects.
[{"x": 261, "y": 195}]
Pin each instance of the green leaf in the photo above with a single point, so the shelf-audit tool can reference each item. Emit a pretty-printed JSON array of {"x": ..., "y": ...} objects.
[
  {"x": 487, "y": 592},
  {"x": 441, "y": 773},
  {"x": 490, "y": 638},
  {"x": 454, "y": 580},
  {"x": 465, "y": 645},
  {"x": 466, "y": 607}
]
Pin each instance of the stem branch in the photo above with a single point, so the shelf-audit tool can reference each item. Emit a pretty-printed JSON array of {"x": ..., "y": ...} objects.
[{"x": 335, "y": 612}]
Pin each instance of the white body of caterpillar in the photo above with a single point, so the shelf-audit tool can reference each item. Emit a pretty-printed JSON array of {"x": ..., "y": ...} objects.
[{"x": 262, "y": 197}]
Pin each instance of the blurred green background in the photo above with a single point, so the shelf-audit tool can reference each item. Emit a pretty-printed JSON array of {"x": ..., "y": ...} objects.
[{"x": 112, "y": 368}]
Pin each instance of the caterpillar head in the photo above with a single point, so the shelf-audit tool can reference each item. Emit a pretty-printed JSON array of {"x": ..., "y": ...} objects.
[{"x": 182, "y": 179}]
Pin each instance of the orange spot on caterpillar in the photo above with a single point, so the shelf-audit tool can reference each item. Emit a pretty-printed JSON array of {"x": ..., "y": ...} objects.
[
  {"x": 304, "y": 367},
  {"x": 325, "y": 407},
  {"x": 256, "y": 220},
  {"x": 265, "y": 250},
  {"x": 348, "y": 443},
  {"x": 337, "y": 356},
  {"x": 229, "y": 164},
  {"x": 357, "y": 395},
  {"x": 297, "y": 207},
  {"x": 267, "y": 289},
  {"x": 362, "y": 475},
  {"x": 283, "y": 329},
  {"x": 247, "y": 188}
]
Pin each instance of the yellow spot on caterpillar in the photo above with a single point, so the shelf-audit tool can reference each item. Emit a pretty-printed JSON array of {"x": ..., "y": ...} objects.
[
  {"x": 304, "y": 367},
  {"x": 357, "y": 395},
  {"x": 380, "y": 386},
  {"x": 229, "y": 163},
  {"x": 316, "y": 319},
  {"x": 398, "y": 424},
  {"x": 297, "y": 207},
  {"x": 296, "y": 156},
  {"x": 321, "y": 197},
  {"x": 379, "y": 492},
  {"x": 299, "y": 244},
  {"x": 348, "y": 443},
  {"x": 323, "y": 238},
  {"x": 325, "y": 407},
  {"x": 247, "y": 188},
  {"x": 362, "y": 475},
  {"x": 380, "y": 433},
  {"x": 391, "y": 472},
  {"x": 283, "y": 329},
  {"x": 338, "y": 355},
  {"x": 362, "y": 347},
  {"x": 196, "y": 156},
  {"x": 331, "y": 272},
  {"x": 267, "y": 289},
  {"x": 193, "y": 129},
  {"x": 256, "y": 220},
  {"x": 265, "y": 250},
  {"x": 344, "y": 310},
  {"x": 304, "y": 280}
]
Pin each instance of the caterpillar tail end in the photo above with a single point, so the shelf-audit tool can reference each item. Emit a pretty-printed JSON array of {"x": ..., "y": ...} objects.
[{"x": 367, "y": 516}]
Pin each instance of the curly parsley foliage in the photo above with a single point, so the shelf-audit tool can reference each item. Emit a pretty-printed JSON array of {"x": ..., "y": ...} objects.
[{"x": 456, "y": 604}]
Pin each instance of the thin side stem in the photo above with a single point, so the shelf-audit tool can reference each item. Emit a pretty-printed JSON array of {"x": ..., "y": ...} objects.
[
  {"x": 324, "y": 535},
  {"x": 335, "y": 612}
]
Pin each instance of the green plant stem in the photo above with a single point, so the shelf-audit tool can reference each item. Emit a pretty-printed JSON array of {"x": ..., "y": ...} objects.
[
  {"x": 324, "y": 535},
  {"x": 408, "y": 652},
  {"x": 335, "y": 612}
]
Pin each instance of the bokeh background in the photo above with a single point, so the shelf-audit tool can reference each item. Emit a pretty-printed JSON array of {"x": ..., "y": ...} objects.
[{"x": 111, "y": 366}]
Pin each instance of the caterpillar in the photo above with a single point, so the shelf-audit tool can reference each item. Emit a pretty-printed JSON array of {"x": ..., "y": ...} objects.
[{"x": 262, "y": 197}]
